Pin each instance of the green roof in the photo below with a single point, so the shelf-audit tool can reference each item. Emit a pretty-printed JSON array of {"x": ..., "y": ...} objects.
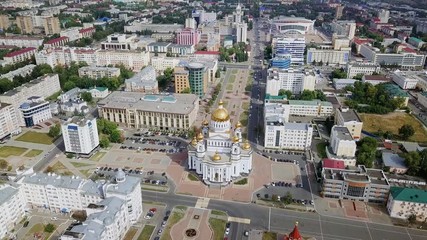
[
  {"x": 271, "y": 97},
  {"x": 409, "y": 194},
  {"x": 101, "y": 89},
  {"x": 309, "y": 102},
  {"x": 395, "y": 91},
  {"x": 416, "y": 39}
]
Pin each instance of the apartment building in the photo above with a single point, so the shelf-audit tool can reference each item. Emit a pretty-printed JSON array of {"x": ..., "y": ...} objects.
[
  {"x": 328, "y": 56},
  {"x": 99, "y": 92},
  {"x": 134, "y": 60},
  {"x": 43, "y": 87},
  {"x": 163, "y": 63},
  {"x": 294, "y": 80},
  {"x": 405, "y": 80},
  {"x": 348, "y": 118},
  {"x": 24, "y": 71},
  {"x": 51, "y": 25},
  {"x": 404, "y": 202},
  {"x": 8, "y": 121},
  {"x": 19, "y": 56},
  {"x": 140, "y": 110},
  {"x": 4, "y": 22},
  {"x": 360, "y": 184},
  {"x": 407, "y": 59},
  {"x": 35, "y": 110},
  {"x": 181, "y": 79},
  {"x": 284, "y": 135},
  {"x": 21, "y": 42},
  {"x": 99, "y": 72},
  {"x": 342, "y": 146},
  {"x": 65, "y": 56},
  {"x": 145, "y": 81},
  {"x": 12, "y": 209},
  {"x": 80, "y": 135},
  {"x": 364, "y": 68},
  {"x": 56, "y": 42},
  {"x": 294, "y": 45},
  {"x": 25, "y": 23},
  {"x": 277, "y": 105}
]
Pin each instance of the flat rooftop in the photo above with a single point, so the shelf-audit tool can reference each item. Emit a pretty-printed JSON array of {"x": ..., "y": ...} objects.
[
  {"x": 343, "y": 133},
  {"x": 349, "y": 115}
]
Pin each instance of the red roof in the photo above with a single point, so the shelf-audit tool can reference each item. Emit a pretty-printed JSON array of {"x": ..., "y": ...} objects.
[
  {"x": 409, "y": 50},
  {"x": 83, "y": 30},
  {"x": 19, "y": 52},
  {"x": 55, "y": 40},
  {"x": 330, "y": 163},
  {"x": 207, "y": 52},
  {"x": 360, "y": 41},
  {"x": 294, "y": 235}
]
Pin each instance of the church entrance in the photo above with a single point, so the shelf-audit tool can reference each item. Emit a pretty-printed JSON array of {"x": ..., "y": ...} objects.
[{"x": 216, "y": 178}]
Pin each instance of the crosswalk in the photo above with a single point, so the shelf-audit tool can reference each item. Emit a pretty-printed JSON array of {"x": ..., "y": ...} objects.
[
  {"x": 202, "y": 202},
  {"x": 239, "y": 220}
]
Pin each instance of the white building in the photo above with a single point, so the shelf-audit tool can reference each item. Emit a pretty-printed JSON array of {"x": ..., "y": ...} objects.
[
  {"x": 404, "y": 202},
  {"x": 24, "y": 71},
  {"x": 99, "y": 72},
  {"x": 293, "y": 25},
  {"x": 294, "y": 45},
  {"x": 21, "y": 42},
  {"x": 35, "y": 110},
  {"x": 328, "y": 56},
  {"x": 294, "y": 80},
  {"x": 282, "y": 107},
  {"x": 405, "y": 80},
  {"x": 120, "y": 42},
  {"x": 162, "y": 63},
  {"x": 43, "y": 87},
  {"x": 9, "y": 124},
  {"x": 345, "y": 28},
  {"x": 19, "y": 56},
  {"x": 241, "y": 32},
  {"x": 80, "y": 135},
  {"x": 99, "y": 92},
  {"x": 348, "y": 118},
  {"x": 134, "y": 60},
  {"x": 407, "y": 59},
  {"x": 218, "y": 156},
  {"x": 341, "y": 83},
  {"x": 343, "y": 145},
  {"x": 144, "y": 81},
  {"x": 364, "y": 68},
  {"x": 65, "y": 56},
  {"x": 12, "y": 209},
  {"x": 384, "y": 15},
  {"x": 284, "y": 135},
  {"x": 72, "y": 33}
]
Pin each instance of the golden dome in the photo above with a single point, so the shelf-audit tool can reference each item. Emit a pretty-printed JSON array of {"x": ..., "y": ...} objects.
[
  {"x": 200, "y": 137},
  {"x": 236, "y": 139},
  {"x": 246, "y": 145},
  {"x": 216, "y": 157},
  {"x": 205, "y": 122},
  {"x": 238, "y": 124},
  {"x": 220, "y": 114},
  {"x": 194, "y": 141}
]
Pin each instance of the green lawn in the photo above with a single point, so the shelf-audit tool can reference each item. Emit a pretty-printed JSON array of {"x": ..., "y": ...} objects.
[
  {"x": 38, "y": 228},
  {"x": 7, "y": 151},
  {"x": 79, "y": 164},
  {"x": 244, "y": 118},
  {"x": 175, "y": 217},
  {"x": 232, "y": 79},
  {"x": 146, "y": 232},
  {"x": 218, "y": 228},
  {"x": 229, "y": 87},
  {"x": 36, "y": 137},
  {"x": 217, "y": 212},
  {"x": 54, "y": 96},
  {"x": 234, "y": 71},
  {"x": 97, "y": 156},
  {"x": 245, "y": 105},
  {"x": 131, "y": 233},
  {"x": 321, "y": 149},
  {"x": 33, "y": 153},
  {"x": 192, "y": 177},
  {"x": 243, "y": 181},
  {"x": 269, "y": 236}
]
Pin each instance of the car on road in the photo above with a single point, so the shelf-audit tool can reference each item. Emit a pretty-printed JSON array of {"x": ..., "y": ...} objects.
[
  {"x": 246, "y": 233},
  {"x": 26, "y": 223},
  {"x": 227, "y": 231},
  {"x": 53, "y": 218},
  {"x": 160, "y": 231}
]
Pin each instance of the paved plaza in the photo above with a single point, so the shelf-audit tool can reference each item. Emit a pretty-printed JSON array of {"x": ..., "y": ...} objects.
[{"x": 194, "y": 218}]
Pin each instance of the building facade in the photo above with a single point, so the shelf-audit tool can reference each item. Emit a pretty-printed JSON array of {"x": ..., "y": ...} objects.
[
  {"x": 188, "y": 36},
  {"x": 99, "y": 72},
  {"x": 9, "y": 124},
  {"x": 342, "y": 146},
  {"x": 51, "y": 25},
  {"x": 80, "y": 135},
  {"x": 12, "y": 209},
  {"x": 134, "y": 60},
  {"x": 19, "y": 56},
  {"x": 405, "y": 80},
  {"x": 197, "y": 78},
  {"x": 216, "y": 155},
  {"x": 25, "y": 23},
  {"x": 145, "y": 81},
  {"x": 294, "y": 80},
  {"x": 21, "y": 42},
  {"x": 35, "y": 110},
  {"x": 406, "y": 60},
  {"x": 328, "y": 56},
  {"x": 404, "y": 202},
  {"x": 294, "y": 45},
  {"x": 356, "y": 68},
  {"x": 349, "y": 118},
  {"x": 139, "y": 110},
  {"x": 284, "y": 135}
]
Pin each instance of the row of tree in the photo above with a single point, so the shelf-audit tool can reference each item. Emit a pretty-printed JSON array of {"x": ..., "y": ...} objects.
[
  {"x": 165, "y": 79},
  {"x": 416, "y": 163},
  {"x": 305, "y": 95},
  {"x": 108, "y": 132},
  {"x": 237, "y": 52}
]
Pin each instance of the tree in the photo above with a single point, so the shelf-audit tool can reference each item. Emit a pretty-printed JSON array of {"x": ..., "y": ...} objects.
[
  {"x": 218, "y": 73},
  {"x": 287, "y": 93},
  {"x": 69, "y": 85},
  {"x": 365, "y": 154},
  {"x": 116, "y": 136},
  {"x": 49, "y": 228},
  {"x": 3, "y": 164},
  {"x": 339, "y": 73},
  {"x": 412, "y": 218},
  {"x": 5, "y": 85},
  {"x": 274, "y": 197},
  {"x": 413, "y": 162},
  {"x": 287, "y": 199},
  {"x": 406, "y": 131},
  {"x": 86, "y": 96},
  {"x": 104, "y": 142},
  {"x": 54, "y": 131},
  {"x": 186, "y": 90}
]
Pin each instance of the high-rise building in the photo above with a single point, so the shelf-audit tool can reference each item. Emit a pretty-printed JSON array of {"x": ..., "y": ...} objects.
[
  {"x": 4, "y": 22},
  {"x": 25, "y": 23},
  {"x": 294, "y": 45},
  {"x": 35, "y": 110},
  {"x": 190, "y": 23},
  {"x": 338, "y": 11},
  {"x": 9, "y": 124},
  {"x": 51, "y": 25},
  {"x": 188, "y": 36},
  {"x": 294, "y": 80},
  {"x": 80, "y": 135},
  {"x": 241, "y": 32},
  {"x": 384, "y": 15},
  {"x": 281, "y": 59},
  {"x": 181, "y": 79},
  {"x": 197, "y": 78}
]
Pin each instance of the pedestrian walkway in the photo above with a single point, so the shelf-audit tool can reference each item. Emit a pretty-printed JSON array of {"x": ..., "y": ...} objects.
[
  {"x": 202, "y": 203},
  {"x": 239, "y": 220}
]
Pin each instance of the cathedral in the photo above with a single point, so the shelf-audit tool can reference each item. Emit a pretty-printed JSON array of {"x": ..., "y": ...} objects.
[{"x": 218, "y": 152}]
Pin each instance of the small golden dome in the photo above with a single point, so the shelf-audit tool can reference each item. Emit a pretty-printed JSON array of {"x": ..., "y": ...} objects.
[
  {"x": 236, "y": 139},
  {"x": 205, "y": 122},
  {"x": 238, "y": 124},
  {"x": 216, "y": 157},
  {"x": 194, "y": 141},
  {"x": 200, "y": 137},
  {"x": 220, "y": 114},
  {"x": 246, "y": 145}
]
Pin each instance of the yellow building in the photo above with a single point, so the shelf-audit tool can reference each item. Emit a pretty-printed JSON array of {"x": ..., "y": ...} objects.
[
  {"x": 181, "y": 79},
  {"x": 25, "y": 23},
  {"x": 4, "y": 22},
  {"x": 51, "y": 26},
  {"x": 140, "y": 110}
]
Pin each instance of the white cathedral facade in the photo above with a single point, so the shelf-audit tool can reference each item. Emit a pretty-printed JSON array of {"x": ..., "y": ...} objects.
[{"x": 218, "y": 153}]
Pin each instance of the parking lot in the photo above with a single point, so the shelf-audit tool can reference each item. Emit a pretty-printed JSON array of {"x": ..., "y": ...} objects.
[{"x": 157, "y": 143}]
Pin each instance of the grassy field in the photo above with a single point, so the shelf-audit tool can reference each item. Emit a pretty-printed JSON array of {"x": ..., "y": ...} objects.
[
  {"x": 146, "y": 232},
  {"x": 245, "y": 105},
  {"x": 86, "y": 172},
  {"x": 97, "y": 156},
  {"x": 192, "y": 177},
  {"x": 321, "y": 149},
  {"x": 269, "y": 236},
  {"x": 59, "y": 168},
  {"x": 217, "y": 212},
  {"x": 218, "y": 228},
  {"x": 33, "y": 153},
  {"x": 175, "y": 217},
  {"x": 234, "y": 71},
  {"x": 35, "y": 137},
  {"x": 392, "y": 122},
  {"x": 79, "y": 164},
  {"x": 244, "y": 118},
  {"x": 38, "y": 228},
  {"x": 131, "y": 233},
  {"x": 7, "y": 151},
  {"x": 232, "y": 79},
  {"x": 229, "y": 87}
]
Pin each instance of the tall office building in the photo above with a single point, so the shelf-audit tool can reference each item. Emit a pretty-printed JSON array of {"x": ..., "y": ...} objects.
[
  {"x": 282, "y": 59},
  {"x": 294, "y": 80},
  {"x": 188, "y": 36},
  {"x": 241, "y": 32},
  {"x": 197, "y": 78},
  {"x": 9, "y": 124},
  {"x": 25, "y": 23},
  {"x": 294, "y": 45},
  {"x": 80, "y": 135},
  {"x": 338, "y": 11},
  {"x": 51, "y": 26}
]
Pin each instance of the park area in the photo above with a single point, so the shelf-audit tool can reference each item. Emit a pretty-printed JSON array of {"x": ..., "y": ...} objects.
[
  {"x": 374, "y": 123},
  {"x": 36, "y": 137}
]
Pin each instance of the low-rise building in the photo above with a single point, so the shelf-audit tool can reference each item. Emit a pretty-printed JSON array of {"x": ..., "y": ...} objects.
[
  {"x": 99, "y": 72},
  {"x": 99, "y": 92},
  {"x": 24, "y": 71},
  {"x": 20, "y": 55},
  {"x": 12, "y": 209},
  {"x": 140, "y": 110},
  {"x": 284, "y": 135},
  {"x": 405, "y": 80},
  {"x": 8, "y": 121},
  {"x": 328, "y": 56},
  {"x": 120, "y": 42},
  {"x": 20, "y": 41},
  {"x": 375, "y": 79},
  {"x": 361, "y": 184},
  {"x": 394, "y": 162},
  {"x": 315, "y": 108},
  {"x": 145, "y": 81},
  {"x": 364, "y": 68},
  {"x": 35, "y": 110},
  {"x": 162, "y": 63},
  {"x": 294, "y": 80},
  {"x": 404, "y": 202},
  {"x": 349, "y": 118},
  {"x": 80, "y": 135},
  {"x": 341, "y": 83},
  {"x": 87, "y": 32},
  {"x": 416, "y": 42},
  {"x": 406, "y": 58}
]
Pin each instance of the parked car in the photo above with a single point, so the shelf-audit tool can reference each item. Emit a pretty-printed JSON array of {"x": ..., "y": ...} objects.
[{"x": 26, "y": 223}]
